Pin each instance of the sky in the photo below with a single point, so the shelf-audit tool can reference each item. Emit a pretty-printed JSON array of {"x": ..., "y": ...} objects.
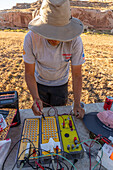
[{"x": 8, "y": 4}]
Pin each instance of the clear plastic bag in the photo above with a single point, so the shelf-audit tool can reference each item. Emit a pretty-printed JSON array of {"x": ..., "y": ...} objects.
[
  {"x": 4, "y": 148},
  {"x": 3, "y": 124}
]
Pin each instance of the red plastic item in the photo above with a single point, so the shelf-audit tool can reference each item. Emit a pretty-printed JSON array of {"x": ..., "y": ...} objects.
[
  {"x": 34, "y": 152},
  {"x": 1, "y": 120},
  {"x": 105, "y": 140},
  {"x": 63, "y": 124},
  {"x": 70, "y": 123},
  {"x": 57, "y": 148},
  {"x": 107, "y": 104},
  {"x": 75, "y": 138},
  {"x": 13, "y": 124}
]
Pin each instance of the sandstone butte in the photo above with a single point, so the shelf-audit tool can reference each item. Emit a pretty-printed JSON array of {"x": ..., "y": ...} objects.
[{"x": 94, "y": 19}]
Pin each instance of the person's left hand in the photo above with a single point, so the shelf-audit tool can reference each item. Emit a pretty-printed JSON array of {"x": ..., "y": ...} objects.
[{"x": 78, "y": 111}]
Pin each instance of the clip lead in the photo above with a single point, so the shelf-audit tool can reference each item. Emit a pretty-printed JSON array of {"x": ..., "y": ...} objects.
[
  {"x": 40, "y": 110},
  {"x": 43, "y": 116}
]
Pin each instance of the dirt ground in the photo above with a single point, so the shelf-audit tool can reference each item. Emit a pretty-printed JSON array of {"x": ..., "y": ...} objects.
[{"x": 97, "y": 70}]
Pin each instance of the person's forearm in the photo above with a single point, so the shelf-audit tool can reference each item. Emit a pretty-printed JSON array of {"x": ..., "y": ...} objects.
[
  {"x": 77, "y": 88},
  {"x": 32, "y": 86}
]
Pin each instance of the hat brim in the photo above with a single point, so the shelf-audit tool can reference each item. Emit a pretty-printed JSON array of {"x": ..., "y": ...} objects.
[
  {"x": 93, "y": 124},
  {"x": 64, "y": 33}
]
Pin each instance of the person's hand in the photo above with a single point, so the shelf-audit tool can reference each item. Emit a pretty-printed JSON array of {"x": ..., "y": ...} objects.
[
  {"x": 35, "y": 107},
  {"x": 78, "y": 111}
]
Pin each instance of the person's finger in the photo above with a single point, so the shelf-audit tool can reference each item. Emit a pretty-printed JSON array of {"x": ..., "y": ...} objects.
[
  {"x": 79, "y": 113},
  {"x": 82, "y": 114},
  {"x": 78, "y": 116},
  {"x": 40, "y": 104}
]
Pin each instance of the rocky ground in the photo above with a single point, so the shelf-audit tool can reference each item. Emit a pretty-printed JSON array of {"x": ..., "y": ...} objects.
[
  {"x": 91, "y": 4},
  {"x": 97, "y": 70}
]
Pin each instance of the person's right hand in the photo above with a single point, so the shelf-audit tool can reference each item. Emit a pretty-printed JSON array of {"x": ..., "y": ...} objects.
[{"x": 35, "y": 107}]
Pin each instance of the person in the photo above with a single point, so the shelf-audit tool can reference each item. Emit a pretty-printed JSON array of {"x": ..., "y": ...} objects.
[{"x": 52, "y": 43}]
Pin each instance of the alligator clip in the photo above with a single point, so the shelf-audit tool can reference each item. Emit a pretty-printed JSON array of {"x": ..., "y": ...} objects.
[{"x": 40, "y": 110}]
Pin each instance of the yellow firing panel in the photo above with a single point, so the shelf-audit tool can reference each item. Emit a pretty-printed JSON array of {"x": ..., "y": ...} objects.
[
  {"x": 68, "y": 133},
  {"x": 30, "y": 131}
]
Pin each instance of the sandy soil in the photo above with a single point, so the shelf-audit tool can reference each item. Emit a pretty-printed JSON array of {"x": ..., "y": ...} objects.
[{"x": 97, "y": 70}]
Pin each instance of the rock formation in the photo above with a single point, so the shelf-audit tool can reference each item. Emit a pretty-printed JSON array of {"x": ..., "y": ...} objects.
[
  {"x": 94, "y": 19},
  {"x": 91, "y": 18},
  {"x": 22, "y": 6},
  {"x": 15, "y": 19}
]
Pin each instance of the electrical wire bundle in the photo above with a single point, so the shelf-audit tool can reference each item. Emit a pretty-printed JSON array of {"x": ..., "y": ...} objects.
[{"x": 56, "y": 162}]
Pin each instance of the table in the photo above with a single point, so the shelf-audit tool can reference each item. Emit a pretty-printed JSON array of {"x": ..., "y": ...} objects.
[{"x": 82, "y": 164}]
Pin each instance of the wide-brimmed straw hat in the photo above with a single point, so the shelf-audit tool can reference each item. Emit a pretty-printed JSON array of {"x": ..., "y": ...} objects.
[
  {"x": 100, "y": 123},
  {"x": 55, "y": 22}
]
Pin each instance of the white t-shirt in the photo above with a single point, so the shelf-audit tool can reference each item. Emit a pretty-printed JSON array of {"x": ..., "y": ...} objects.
[{"x": 52, "y": 62}]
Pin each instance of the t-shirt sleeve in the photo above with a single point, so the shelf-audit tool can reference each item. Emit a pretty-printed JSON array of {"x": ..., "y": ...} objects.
[
  {"x": 28, "y": 55},
  {"x": 78, "y": 56}
]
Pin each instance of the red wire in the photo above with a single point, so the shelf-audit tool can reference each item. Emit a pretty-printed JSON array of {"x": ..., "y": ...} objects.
[
  {"x": 39, "y": 165},
  {"x": 57, "y": 155},
  {"x": 57, "y": 162},
  {"x": 91, "y": 145},
  {"x": 55, "y": 109},
  {"x": 52, "y": 107},
  {"x": 63, "y": 121},
  {"x": 89, "y": 158}
]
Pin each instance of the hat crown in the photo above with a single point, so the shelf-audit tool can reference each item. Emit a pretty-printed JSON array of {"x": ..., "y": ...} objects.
[
  {"x": 55, "y": 12},
  {"x": 106, "y": 117},
  {"x": 55, "y": 22}
]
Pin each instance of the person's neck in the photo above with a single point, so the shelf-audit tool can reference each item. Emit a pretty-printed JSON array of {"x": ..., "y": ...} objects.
[{"x": 53, "y": 42}]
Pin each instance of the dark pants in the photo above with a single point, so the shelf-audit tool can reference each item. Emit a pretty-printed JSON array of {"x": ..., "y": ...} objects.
[{"x": 53, "y": 95}]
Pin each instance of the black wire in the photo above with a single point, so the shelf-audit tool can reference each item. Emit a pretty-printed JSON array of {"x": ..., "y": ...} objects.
[
  {"x": 29, "y": 155},
  {"x": 100, "y": 162},
  {"x": 59, "y": 162},
  {"x": 75, "y": 160},
  {"x": 21, "y": 154},
  {"x": 47, "y": 168},
  {"x": 37, "y": 165},
  {"x": 13, "y": 148},
  {"x": 69, "y": 154},
  {"x": 64, "y": 164},
  {"x": 27, "y": 160}
]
